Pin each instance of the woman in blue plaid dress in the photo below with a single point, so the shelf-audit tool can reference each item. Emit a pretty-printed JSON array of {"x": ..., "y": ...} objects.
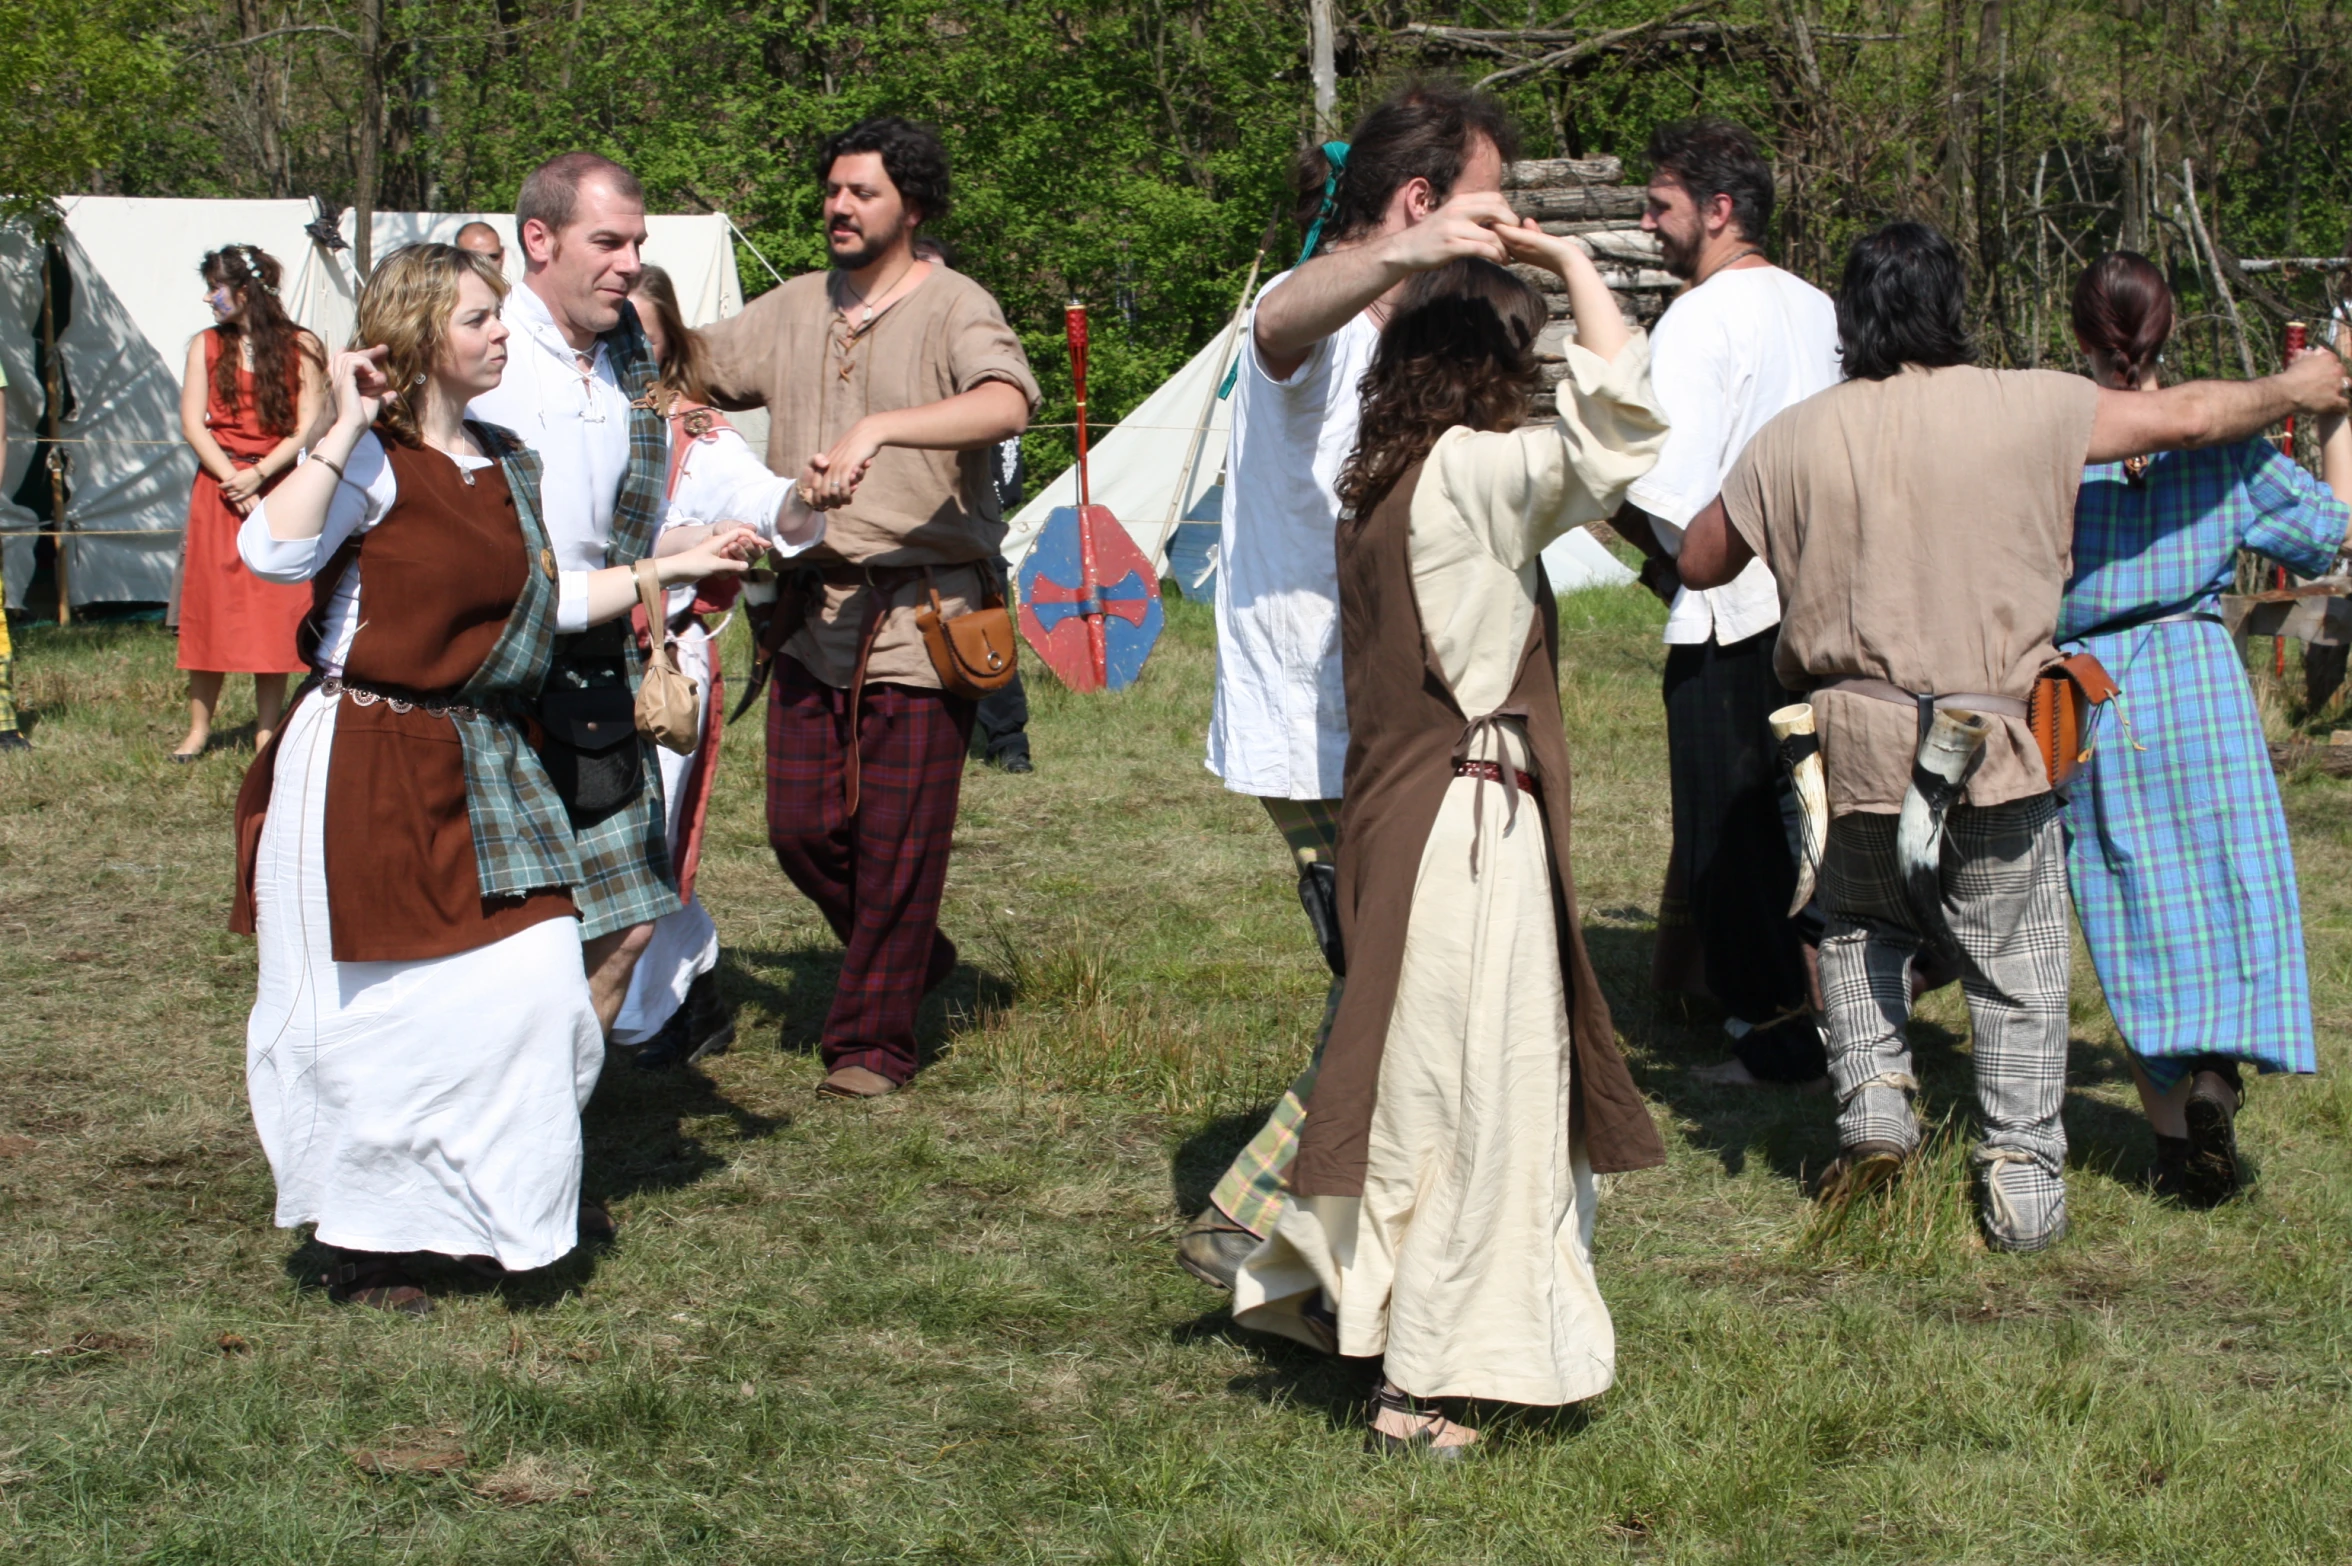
[{"x": 2176, "y": 843}]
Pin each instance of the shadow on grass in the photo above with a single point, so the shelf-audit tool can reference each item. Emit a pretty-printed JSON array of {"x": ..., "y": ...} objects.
[
  {"x": 795, "y": 989},
  {"x": 1287, "y": 1373},
  {"x": 1794, "y": 1132},
  {"x": 1203, "y": 1157}
]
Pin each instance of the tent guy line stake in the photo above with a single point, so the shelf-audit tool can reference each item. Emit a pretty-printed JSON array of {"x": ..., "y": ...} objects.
[
  {"x": 1208, "y": 413},
  {"x": 755, "y": 250}
]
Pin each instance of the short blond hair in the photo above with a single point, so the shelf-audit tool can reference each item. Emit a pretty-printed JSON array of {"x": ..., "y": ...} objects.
[{"x": 407, "y": 306}]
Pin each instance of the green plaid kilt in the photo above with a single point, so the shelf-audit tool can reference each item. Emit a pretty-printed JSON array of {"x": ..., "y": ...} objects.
[{"x": 625, "y": 876}]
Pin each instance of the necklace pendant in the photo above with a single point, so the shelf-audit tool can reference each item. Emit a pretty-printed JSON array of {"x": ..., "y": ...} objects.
[{"x": 468, "y": 475}]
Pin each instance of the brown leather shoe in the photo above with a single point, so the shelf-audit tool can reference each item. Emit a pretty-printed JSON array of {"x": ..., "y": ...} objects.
[
  {"x": 1213, "y": 1248},
  {"x": 1859, "y": 1170},
  {"x": 856, "y": 1082}
]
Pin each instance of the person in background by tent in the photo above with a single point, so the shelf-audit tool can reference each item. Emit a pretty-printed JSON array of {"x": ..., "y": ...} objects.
[
  {"x": 1442, "y": 1197},
  {"x": 1919, "y": 519},
  {"x": 11, "y": 737},
  {"x": 253, "y": 385},
  {"x": 1741, "y": 342},
  {"x": 674, "y": 1009},
  {"x": 1003, "y": 714},
  {"x": 896, "y": 379},
  {"x": 2176, "y": 845},
  {"x": 423, "y": 1037},
  {"x": 1418, "y": 186},
  {"x": 483, "y": 240}
]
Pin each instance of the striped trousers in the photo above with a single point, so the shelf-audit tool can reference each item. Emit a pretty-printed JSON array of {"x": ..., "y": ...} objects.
[{"x": 2005, "y": 900}]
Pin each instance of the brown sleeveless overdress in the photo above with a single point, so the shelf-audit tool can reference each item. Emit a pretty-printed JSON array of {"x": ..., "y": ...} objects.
[
  {"x": 439, "y": 575},
  {"x": 1405, "y": 734}
]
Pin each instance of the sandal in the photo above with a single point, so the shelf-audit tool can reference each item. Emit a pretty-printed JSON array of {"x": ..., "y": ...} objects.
[
  {"x": 377, "y": 1281},
  {"x": 1423, "y": 1442}
]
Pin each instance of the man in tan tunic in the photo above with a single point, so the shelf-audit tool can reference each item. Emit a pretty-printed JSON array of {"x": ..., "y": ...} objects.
[
  {"x": 888, "y": 381},
  {"x": 1919, "y": 521}
]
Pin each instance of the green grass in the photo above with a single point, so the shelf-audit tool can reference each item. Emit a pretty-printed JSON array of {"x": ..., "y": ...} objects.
[{"x": 946, "y": 1327}]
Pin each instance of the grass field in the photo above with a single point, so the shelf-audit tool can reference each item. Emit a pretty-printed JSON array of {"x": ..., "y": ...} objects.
[{"x": 947, "y": 1327}]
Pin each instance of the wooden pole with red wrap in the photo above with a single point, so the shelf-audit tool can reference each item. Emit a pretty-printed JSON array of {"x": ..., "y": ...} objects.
[
  {"x": 1089, "y": 573},
  {"x": 1090, "y": 600},
  {"x": 2298, "y": 335}
]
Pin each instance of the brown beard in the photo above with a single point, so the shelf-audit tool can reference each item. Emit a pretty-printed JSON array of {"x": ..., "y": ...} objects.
[{"x": 1679, "y": 256}]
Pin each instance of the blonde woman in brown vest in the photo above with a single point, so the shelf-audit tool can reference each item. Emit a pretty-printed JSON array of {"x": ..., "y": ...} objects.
[
  {"x": 1443, "y": 1198},
  {"x": 423, "y": 1038}
]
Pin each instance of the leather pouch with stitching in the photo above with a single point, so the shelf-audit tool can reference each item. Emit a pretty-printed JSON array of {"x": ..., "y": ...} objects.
[
  {"x": 973, "y": 653},
  {"x": 2064, "y": 695}
]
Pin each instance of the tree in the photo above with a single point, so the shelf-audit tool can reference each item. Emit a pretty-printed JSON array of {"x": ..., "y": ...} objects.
[{"x": 79, "y": 76}]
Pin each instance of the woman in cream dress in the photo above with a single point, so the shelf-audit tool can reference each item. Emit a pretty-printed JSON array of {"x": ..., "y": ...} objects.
[{"x": 1444, "y": 1195}]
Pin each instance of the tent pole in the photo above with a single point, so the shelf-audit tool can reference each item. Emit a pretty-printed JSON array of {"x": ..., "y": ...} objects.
[
  {"x": 53, "y": 416},
  {"x": 1200, "y": 430}
]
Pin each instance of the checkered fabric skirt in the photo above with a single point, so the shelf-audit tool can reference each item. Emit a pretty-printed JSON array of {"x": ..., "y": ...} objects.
[{"x": 2178, "y": 854}]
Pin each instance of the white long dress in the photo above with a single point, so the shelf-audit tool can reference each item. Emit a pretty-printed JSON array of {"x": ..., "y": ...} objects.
[
  {"x": 1467, "y": 1262},
  {"x": 404, "y": 1106}
]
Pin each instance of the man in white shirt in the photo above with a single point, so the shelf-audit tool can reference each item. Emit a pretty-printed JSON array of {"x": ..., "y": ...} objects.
[
  {"x": 1417, "y": 186},
  {"x": 1743, "y": 341},
  {"x": 577, "y": 368}
]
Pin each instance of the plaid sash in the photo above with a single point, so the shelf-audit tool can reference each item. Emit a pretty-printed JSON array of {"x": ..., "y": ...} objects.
[
  {"x": 637, "y": 513},
  {"x": 625, "y": 872},
  {"x": 522, "y": 835}
]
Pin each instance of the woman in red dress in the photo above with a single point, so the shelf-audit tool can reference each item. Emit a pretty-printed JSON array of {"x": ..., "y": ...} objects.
[{"x": 253, "y": 383}]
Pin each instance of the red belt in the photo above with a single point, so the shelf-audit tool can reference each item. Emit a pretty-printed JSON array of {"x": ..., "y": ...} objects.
[{"x": 1492, "y": 771}]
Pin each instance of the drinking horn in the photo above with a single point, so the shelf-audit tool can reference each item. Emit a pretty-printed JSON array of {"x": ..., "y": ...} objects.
[
  {"x": 1800, "y": 754},
  {"x": 1948, "y": 753}
]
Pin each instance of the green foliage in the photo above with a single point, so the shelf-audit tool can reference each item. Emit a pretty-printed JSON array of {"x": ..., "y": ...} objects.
[{"x": 77, "y": 76}]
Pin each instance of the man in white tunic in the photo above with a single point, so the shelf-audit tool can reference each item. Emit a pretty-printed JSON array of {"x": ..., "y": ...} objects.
[
  {"x": 578, "y": 362},
  {"x": 1742, "y": 342},
  {"x": 1418, "y": 186}
]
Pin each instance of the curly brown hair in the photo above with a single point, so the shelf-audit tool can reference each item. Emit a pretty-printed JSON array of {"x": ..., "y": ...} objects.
[{"x": 1460, "y": 350}]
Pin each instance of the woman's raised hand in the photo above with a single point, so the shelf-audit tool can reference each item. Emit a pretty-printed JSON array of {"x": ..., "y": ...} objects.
[
  {"x": 356, "y": 378},
  {"x": 729, "y": 550},
  {"x": 1557, "y": 253}
]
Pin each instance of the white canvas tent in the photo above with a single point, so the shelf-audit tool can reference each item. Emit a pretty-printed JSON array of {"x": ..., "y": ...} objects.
[
  {"x": 1163, "y": 467},
  {"x": 137, "y": 300}
]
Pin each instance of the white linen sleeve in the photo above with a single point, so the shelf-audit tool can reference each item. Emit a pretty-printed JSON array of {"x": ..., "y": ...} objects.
[
  {"x": 362, "y": 497},
  {"x": 724, "y": 480},
  {"x": 571, "y": 602},
  {"x": 1518, "y": 490},
  {"x": 1691, "y": 371}
]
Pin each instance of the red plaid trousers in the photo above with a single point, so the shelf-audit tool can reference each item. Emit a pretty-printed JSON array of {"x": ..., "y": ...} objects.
[{"x": 877, "y": 877}]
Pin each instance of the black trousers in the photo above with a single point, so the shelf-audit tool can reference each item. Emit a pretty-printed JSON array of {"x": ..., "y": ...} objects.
[{"x": 1732, "y": 846}]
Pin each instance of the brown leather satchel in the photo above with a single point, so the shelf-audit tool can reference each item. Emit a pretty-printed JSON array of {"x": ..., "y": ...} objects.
[
  {"x": 2060, "y": 713},
  {"x": 974, "y": 652}
]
